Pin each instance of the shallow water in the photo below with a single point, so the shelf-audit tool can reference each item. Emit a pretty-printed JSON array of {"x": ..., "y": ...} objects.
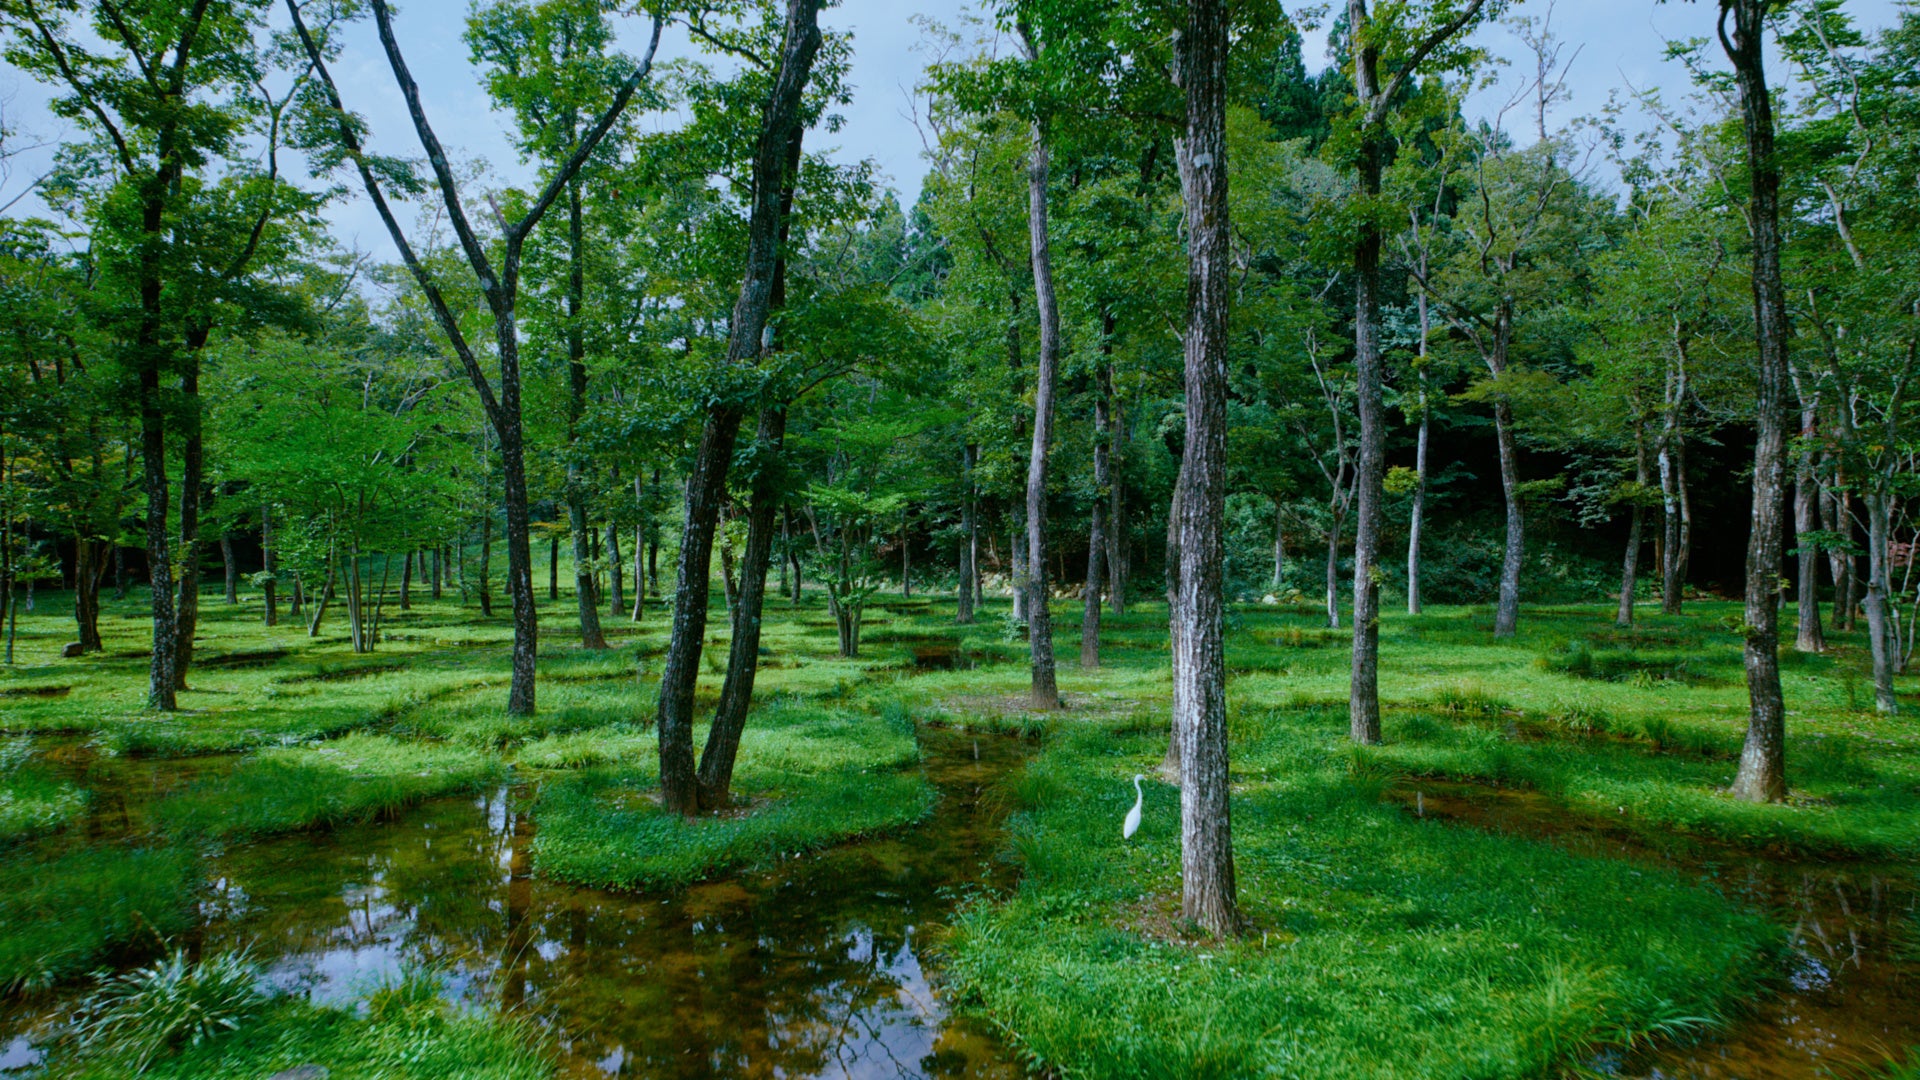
[
  {"x": 818, "y": 967},
  {"x": 1849, "y": 994}
]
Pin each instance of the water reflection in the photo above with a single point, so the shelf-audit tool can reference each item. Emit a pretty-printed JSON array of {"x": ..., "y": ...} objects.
[{"x": 815, "y": 969}]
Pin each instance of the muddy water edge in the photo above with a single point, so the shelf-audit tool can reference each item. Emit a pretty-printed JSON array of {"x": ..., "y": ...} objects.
[
  {"x": 815, "y": 967},
  {"x": 1847, "y": 999}
]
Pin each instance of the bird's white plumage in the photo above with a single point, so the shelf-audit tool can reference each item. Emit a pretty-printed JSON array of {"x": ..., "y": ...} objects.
[{"x": 1132, "y": 824}]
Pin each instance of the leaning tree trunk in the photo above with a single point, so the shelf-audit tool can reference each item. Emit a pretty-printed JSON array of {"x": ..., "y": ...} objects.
[
  {"x": 1506, "y": 618},
  {"x": 1762, "y": 776},
  {"x": 1208, "y": 894},
  {"x": 743, "y": 655},
  {"x": 1045, "y": 694},
  {"x": 706, "y": 486}
]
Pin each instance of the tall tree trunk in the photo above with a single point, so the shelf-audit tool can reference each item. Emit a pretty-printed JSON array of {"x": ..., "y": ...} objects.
[
  {"x": 553, "y": 567},
  {"x": 1045, "y": 694},
  {"x": 1636, "y": 525},
  {"x": 616, "y": 573},
  {"x": 1097, "y": 525},
  {"x": 706, "y": 486},
  {"x": 1279, "y": 545},
  {"x": 1208, "y": 893},
  {"x": 89, "y": 569},
  {"x": 486, "y": 564},
  {"x": 1117, "y": 553},
  {"x": 1506, "y": 618},
  {"x": 1808, "y": 634},
  {"x": 1671, "y": 582},
  {"x": 1334, "y": 524},
  {"x": 269, "y": 587},
  {"x": 1762, "y": 776},
  {"x": 186, "y": 615},
  {"x": 121, "y": 582},
  {"x": 1363, "y": 694},
  {"x": 969, "y": 541},
  {"x": 1417, "y": 520},
  {"x": 1883, "y": 640},
  {"x": 585, "y": 595},
  {"x": 435, "y": 573},
  {"x": 406, "y": 581},
  {"x": 230, "y": 567}
]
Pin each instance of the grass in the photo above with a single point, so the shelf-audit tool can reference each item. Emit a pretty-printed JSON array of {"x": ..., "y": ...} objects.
[
  {"x": 59, "y": 916},
  {"x": 32, "y": 801},
  {"x": 1381, "y": 944},
  {"x": 808, "y": 775},
  {"x": 403, "y": 1032},
  {"x": 350, "y": 779}
]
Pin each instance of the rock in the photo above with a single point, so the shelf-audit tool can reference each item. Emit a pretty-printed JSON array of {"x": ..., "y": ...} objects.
[
  {"x": 301, "y": 1072},
  {"x": 72, "y": 649}
]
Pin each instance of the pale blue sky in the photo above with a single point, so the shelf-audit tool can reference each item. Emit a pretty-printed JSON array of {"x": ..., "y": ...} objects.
[{"x": 1619, "y": 42}]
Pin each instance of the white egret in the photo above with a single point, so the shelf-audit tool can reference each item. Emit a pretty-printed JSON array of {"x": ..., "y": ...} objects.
[{"x": 1132, "y": 824}]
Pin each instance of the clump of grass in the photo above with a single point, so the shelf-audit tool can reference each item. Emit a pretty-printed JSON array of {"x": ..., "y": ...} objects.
[
  {"x": 401, "y": 1032},
  {"x": 1469, "y": 699},
  {"x": 136, "y": 1015},
  {"x": 586, "y": 749},
  {"x": 809, "y": 776},
  {"x": 33, "y": 802},
  {"x": 58, "y": 916},
  {"x": 351, "y": 779}
]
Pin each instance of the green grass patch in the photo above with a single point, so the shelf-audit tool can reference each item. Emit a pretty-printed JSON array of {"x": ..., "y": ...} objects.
[
  {"x": 62, "y": 915},
  {"x": 350, "y": 779},
  {"x": 1380, "y": 945},
  {"x": 403, "y": 1032},
  {"x": 807, "y": 776}
]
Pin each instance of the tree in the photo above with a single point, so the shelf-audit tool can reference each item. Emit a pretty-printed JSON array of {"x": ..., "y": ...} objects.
[
  {"x": 339, "y": 135},
  {"x": 1208, "y": 893}
]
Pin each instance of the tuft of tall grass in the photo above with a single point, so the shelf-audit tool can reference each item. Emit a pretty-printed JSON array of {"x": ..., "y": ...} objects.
[
  {"x": 174, "y": 1002},
  {"x": 58, "y": 916}
]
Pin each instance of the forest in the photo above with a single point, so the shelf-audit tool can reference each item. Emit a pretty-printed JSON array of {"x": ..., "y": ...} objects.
[{"x": 1266, "y": 566}]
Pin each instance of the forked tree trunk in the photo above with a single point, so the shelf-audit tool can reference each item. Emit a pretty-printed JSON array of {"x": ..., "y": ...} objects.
[
  {"x": 706, "y": 486},
  {"x": 1762, "y": 776},
  {"x": 1209, "y": 897}
]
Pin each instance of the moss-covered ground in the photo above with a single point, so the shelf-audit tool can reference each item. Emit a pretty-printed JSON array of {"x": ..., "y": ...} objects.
[{"x": 1380, "y": 943}]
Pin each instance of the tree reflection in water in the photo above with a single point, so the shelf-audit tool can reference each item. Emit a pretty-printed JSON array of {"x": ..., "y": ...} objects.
[{"x": 812, "y": 969}]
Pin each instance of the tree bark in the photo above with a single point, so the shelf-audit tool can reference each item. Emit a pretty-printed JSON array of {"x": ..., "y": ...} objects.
[
  {"x": 1506, "y": 619},
  {"x": 969, "y": 541},
  {"x": 406, "y": 581},
  {"x": 269, "y": 587},
  {"x": 230, "y": 567},
  {"x": 1883, "y": 641},
  {"x": 1809, "y": 636},
  {"x": 1117, "y": 553},
  {"x": 706, "y": 487},
  {"x": 1208, "y": 893},
  {"x": 743, "y": 655},
  {"x": 1045, "y": 693},
  {"x": 1097, "y": 525},
  {"x": 1363, "y": 694},
  {"x": 89, "y": 570},
  {"x": 1636, "y": 525},
  {"x": 616, "y": 573},
  {"x": 1762, "y": 776}
]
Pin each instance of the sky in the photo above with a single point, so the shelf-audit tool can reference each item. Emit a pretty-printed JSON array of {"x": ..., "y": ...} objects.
[{"x": 1612, "y": 44}]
